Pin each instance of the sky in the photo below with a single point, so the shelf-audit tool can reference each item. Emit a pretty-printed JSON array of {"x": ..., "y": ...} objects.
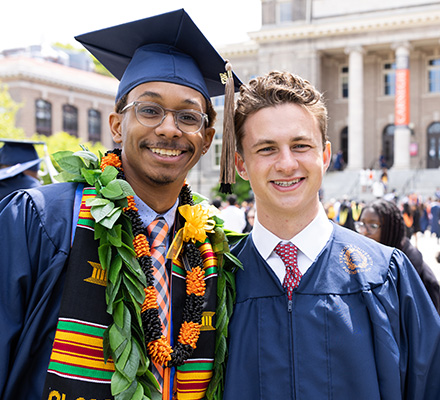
[{"x": 28, "y": 22}]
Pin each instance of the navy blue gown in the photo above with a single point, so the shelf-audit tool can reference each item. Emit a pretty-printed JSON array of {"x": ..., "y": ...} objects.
[
  {"x": 362, "y": 327},
  {"x": 35, "y": 238}
]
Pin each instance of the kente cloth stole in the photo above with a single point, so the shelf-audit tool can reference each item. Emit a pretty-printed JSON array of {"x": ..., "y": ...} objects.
[{"x": 77, "y": 368}]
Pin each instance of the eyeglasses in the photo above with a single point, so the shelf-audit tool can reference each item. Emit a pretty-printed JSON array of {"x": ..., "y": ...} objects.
[
  {"x": 152, "y": 115},
  {"x": 363, "y": 226}
]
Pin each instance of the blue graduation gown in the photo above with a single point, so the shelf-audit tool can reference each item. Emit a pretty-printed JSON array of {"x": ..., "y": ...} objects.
[
  {"x": 35, "y": 236},
  {"x": 361, "y": 327},
  {"x": 35, "y": 240},
  {"x": 20, "y": 181}
]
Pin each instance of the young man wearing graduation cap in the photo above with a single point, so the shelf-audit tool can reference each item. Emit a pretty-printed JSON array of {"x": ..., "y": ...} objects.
[
  {"x": 19, "y": 165},
  {"x": 57, "y": 301}
]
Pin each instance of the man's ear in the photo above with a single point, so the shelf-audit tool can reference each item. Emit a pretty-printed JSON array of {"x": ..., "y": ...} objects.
[
  {"x": 207, "y": 139},
  {"x": 115, "y": 121},
  {"x": 240, "y": 166},
  {"x": 327, "y": 155}
]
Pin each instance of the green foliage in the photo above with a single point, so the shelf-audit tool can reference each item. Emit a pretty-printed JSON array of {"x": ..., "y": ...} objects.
[
  {"x": 228, "y": 264},
  {"x": 123, "y": 340},
  {"x": 60, "y": 141},
  {"x": 8, "y": 111},
  {"x": 67, "y": 46},
  {"x": 100, "y": 69},
  {"x": 241, "y": 188}
]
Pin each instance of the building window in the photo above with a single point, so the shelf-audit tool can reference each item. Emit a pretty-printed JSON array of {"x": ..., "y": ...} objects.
[
  {"x": 217, "y": 146},
  {"x": 389, "y": 79},
  {"x": 434, "y": 75},
  {"x": 388, "y": 144},
  {"x": 94, "y": 124},
  {"x": 344, "y": 144},
  {"x": 43, "y": 117},
  {"x": 344, "y": 82},
  {"x": 434, "y": 145},
  {"x": 284, "y": 11},
  {"x": 70, "y": 119}
]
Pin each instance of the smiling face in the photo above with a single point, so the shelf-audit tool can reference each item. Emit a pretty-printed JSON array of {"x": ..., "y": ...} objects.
[
  {"x": 162, "y": 156},
  {"x": 372, "y": 224},
  {"x": 284, "y": 160}
]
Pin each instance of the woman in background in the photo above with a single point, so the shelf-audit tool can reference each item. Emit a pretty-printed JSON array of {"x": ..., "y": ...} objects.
[{"x": 383, "y": 222}]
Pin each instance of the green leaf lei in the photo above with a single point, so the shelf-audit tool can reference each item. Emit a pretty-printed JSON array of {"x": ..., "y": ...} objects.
[{"x": 124, "y": 338}]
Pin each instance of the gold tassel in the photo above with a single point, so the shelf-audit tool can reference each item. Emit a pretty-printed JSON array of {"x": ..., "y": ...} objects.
[{"x": 227, "y": 160}]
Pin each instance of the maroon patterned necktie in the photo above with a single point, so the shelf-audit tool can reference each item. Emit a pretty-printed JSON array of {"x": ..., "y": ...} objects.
[{"x": 288, "y": 253}]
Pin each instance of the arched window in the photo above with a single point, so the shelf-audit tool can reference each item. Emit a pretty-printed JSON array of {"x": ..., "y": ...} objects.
[
  {"x": 43, "y": 117},
  {"x": 388, "y": 144},
  {"x": 94, "y": 124},
  {"x": 434, "y": 145},
  {"x": 344, "y": 144},
  {"x": 70, "y": 119}
]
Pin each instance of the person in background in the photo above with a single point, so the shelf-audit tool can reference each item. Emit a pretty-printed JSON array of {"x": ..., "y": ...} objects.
[
  {"x": 19, "y": 165},
  {"x": 339, "y": 163},
  {"x": 86, "y": 306},
  {"x": 435, "y": 215},
  {"x": 382, "y": 221},
  {"x": 408, "y": 219},
  {"x": 321, "y": 312},
  {"x": 250, "y": 218},
  {"x": 233, "y": 216},
  {"x": 345, "y": 214}
]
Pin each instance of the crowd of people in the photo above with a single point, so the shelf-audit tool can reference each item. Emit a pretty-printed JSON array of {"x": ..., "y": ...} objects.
[
  {"x": 420, "y": 214},
  {"x": 237, "y": 216}
]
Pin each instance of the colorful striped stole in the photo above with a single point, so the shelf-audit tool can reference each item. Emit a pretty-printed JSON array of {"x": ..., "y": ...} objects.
[{"x": 77, "y": 368}]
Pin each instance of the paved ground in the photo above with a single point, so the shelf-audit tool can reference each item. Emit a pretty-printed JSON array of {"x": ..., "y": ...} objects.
[{"x": 429, "y": 246}]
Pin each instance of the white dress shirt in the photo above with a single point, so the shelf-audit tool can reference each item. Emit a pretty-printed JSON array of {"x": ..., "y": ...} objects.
[{"x": 310, "y": 242}]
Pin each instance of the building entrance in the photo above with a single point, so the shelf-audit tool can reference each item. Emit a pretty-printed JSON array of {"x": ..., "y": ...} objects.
[{"x": 433, "y": 147}]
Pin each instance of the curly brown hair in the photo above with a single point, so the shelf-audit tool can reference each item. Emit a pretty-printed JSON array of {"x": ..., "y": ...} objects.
[{"x": 274, "y": 89}]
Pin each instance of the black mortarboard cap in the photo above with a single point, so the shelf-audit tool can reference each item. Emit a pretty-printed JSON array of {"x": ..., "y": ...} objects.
[
  {"x": 19, "y": 155},
  {"x": 168, "y": 48}
]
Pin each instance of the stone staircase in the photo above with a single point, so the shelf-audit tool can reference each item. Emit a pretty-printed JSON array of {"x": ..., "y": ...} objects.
[{"x": 337, "y": 184}]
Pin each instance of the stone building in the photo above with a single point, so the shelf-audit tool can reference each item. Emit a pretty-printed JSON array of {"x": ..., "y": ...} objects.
[
  {"x": 353, "y": 51},
  {"x": 374, "y": 60},
  {"x": 56, "y": 97}
]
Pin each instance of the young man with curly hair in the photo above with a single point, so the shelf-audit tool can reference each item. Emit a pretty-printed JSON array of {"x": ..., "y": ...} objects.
[{"x": 322, "y": 312}]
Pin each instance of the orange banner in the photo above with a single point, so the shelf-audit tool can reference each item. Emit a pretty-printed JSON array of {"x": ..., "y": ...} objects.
[{"x": 401, "y": 110}]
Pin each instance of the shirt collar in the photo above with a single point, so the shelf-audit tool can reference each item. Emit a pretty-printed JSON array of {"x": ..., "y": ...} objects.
[
  {"x": 148, "y": 215},
  {"x": 310, "y": 241}
]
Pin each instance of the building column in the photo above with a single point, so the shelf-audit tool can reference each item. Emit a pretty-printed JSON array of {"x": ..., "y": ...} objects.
[
  {"x": 355, "y": 108},
  {"x": 402, "y": 133}
]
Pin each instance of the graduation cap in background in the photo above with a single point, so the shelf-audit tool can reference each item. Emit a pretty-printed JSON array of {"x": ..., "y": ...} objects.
[
  {"x": 19, "y": 156},
  {"x": 169, "y": 48}
]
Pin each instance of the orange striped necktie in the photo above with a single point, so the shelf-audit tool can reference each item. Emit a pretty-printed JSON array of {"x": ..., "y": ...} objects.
[{"x": 157, "y": 233}]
